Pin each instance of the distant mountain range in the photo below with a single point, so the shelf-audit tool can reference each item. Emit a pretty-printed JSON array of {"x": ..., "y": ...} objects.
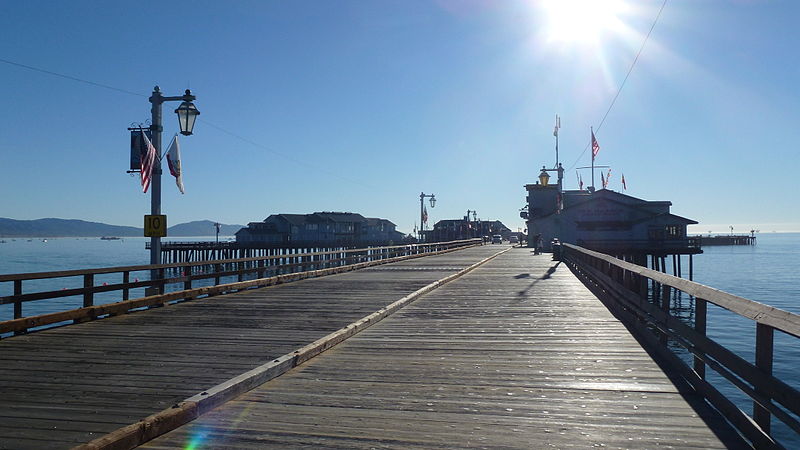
[{"x": 82, "y": 228}]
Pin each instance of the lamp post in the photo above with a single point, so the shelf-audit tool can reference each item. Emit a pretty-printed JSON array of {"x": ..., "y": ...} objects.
[
  {"x": 422, "y": 218},
  {"x": 544, "y": 177},
  {"x": 187, "y": 114},
  {"x": 474, "y": 219}
]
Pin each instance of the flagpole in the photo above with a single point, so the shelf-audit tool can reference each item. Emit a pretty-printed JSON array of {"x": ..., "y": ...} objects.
[{"x": 555, "y": 132}]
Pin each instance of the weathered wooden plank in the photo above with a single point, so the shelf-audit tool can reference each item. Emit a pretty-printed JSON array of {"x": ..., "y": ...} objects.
[
  {"x": 517, "y": 354},
  {"x": 136, "y": 360}
]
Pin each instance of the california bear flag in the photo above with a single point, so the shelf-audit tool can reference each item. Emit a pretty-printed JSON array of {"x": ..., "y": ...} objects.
[{"x": 174, "y": 162}]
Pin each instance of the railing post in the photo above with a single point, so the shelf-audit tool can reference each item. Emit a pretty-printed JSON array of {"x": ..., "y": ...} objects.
[
  {"x": 217, "y": 270},
  {"x": 17, "y": 303},
  {"x": 240, "y": 269},
  {"x": 260, "y": 265},
  {"x": 161, "y": 284},
  {"x": 187, "y": 273},
  {"x": 764, "y": 352},
  {"x": 88, "y": 297},
  {"x": 700, "y": 312},
  {"x": 665, "y": 298},
  {"x": 126, "y": 278}
]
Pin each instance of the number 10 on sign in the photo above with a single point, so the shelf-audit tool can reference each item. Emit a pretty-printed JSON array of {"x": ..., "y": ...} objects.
[{"x": 155, "y": 225}]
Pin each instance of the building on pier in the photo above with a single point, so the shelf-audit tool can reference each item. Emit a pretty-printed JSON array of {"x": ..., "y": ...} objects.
[
  {"x": 458, "y": 229},
  {"x": 320, "y": 228},
  {"x": 607, "y": 221}
]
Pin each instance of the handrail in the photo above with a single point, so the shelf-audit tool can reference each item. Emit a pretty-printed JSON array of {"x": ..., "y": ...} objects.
[
  {"x": 103, "y": 270},
  {"x": 641, "y": 296},
  {"x": 779, "y": 319},
  {"x": 272, "y": 269}
]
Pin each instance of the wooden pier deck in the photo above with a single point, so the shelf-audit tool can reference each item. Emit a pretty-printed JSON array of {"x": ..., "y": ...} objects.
[
  {"x": 69, "y": 385},
  {"x": 516, "y": 354}
]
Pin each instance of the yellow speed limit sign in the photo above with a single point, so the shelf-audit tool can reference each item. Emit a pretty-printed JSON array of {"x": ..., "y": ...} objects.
[{"x": 155, "y": 225}]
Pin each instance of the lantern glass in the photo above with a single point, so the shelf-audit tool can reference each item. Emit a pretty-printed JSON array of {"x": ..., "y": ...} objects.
[
  {"x": 544, "y": 177},
  {"x": 433, "y": 201},
  {"x": 187, "y": 114}
]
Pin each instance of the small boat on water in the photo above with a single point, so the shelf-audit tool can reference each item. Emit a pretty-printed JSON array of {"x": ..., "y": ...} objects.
[{"x": 110, "y": 238}]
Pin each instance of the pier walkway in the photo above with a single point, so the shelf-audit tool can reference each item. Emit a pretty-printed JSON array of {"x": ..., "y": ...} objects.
[
  {"x": 517, "y": 353},
  {"x": 65, "y": 386}
]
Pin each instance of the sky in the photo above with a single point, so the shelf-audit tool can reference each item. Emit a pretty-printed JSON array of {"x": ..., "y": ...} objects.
[{"x": 362, "y": 105}]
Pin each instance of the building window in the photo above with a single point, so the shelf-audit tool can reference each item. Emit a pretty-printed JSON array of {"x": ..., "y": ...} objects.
[
  {"x": 311, "y": 226},
  {"x": 674, "y": 231}
]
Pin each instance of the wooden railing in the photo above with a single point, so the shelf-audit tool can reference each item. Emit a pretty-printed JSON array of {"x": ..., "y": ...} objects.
[
  {"x": 640, "y": 297},
  {"x": 249, "y": 273}
]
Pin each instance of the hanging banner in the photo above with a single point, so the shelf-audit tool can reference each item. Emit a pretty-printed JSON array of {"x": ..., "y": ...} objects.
[{"x": 137, "y": 147}]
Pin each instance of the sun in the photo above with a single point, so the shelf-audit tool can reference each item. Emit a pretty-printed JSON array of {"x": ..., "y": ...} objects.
[{"x": 581, "y": 20}]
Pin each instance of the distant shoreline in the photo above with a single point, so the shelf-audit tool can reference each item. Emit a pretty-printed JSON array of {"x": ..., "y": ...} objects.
[{"x": 69, "y": 228}]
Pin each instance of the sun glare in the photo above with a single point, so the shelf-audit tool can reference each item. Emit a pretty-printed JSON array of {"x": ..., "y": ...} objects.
[{"x": 581, "y": 20}]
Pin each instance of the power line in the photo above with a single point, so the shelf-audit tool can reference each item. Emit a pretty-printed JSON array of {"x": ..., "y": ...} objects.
[
  {"x": 624, "y": 80},
  {"x": 68, "y": 77},
  {"x": 230, "y": 133}
]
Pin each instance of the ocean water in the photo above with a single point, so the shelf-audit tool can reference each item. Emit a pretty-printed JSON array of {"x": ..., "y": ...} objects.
[
  {"x": 25, "y": 255},
  {"x": 766, "y": 272}
]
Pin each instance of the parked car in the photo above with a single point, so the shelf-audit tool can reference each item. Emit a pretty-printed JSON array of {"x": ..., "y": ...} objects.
[
  {"x": 514, "y": 239},
  {"x": 497, "y": 239}
]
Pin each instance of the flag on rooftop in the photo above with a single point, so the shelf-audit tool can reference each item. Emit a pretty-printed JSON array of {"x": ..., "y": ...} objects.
[
  {"x": 595, "y": 146},
  {"x": 624, "y": 186},
  {"x": 147, "y": 161},
  {"x": 174, "y": 163}
]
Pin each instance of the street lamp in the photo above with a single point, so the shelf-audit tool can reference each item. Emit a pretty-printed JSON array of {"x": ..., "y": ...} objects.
[
  {"x": 544, "y": 177},
  {"x": 187, "y": 114},
  {"x": 422, "y": 215}
]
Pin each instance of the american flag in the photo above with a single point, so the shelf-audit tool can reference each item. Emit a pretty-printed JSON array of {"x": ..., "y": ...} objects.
[
  {"x": 595, "y": 146},
  {"x": 148, "y": 159}
]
